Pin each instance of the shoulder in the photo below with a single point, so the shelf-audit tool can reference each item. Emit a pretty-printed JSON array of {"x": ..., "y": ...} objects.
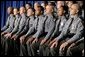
[{"x": 79, "y": 19}]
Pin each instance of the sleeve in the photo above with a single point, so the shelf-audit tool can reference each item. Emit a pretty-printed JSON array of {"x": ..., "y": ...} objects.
[
  {"x": 80, "y": 40},
  {"x": 78, "y": 34},
  {"x": 11, "y": 24},
  {"x": 51, "y": 26},
  {"x": 6, "y": 26}
]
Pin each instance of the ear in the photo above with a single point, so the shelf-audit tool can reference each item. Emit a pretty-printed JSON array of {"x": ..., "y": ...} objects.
[
  {"x": 33, "y": 13},
  {"x": 24, "y": 10},
  {"x": 18, "y": 11},
  {"x": 64, "y": 11},
  {"x": 52, "y": 10},
  {"x": 77, "y": 11}
]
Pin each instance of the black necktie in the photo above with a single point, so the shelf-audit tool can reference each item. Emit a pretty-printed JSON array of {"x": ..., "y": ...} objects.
[{"x": 37, "y": 22}]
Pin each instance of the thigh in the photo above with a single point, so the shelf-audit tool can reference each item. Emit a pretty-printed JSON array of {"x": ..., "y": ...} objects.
[
  {"x": 77, "y": 49},
  {"x": 27, "y": 39}
]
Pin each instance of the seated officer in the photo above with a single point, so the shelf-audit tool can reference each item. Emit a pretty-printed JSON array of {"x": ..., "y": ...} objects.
[
  {"x": 7, "y": 28},
  {"x": 34, "y": 28},
  {"x": 48, "y": 27},
  {"x": 21, "y": 26},
  {"x": 30, "y": 15},
  {"x": 77, "y": 23},
  {"x": 9, "y": 35},
  {"x": 9, "y": 24},
  {"x": 22, "y": 23},
  {"x": 72, "y": 30},
  {"x": 16, "y": 23},
  {"x": 60, "y": 22}
]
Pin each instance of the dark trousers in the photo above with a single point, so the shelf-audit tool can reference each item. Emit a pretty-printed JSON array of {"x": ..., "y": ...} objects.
[
  {"x": 35, "y": 47},
  {"x": 16, "y": 47},
  {"x": 6, "y": 44},
  {"x": 24, "y": 49},
  {"x": 47, "y": 51},
  {"x": 3, "y": 45},
  {"x": 76, "y": 50},
  {"x": 44, "y": 50}
]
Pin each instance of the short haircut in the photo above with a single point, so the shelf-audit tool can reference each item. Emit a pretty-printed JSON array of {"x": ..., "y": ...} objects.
[
  {"x": 16, "y": 8},
  {"x": 29, "y": 4},
  {"x": 32, "y": 9}
]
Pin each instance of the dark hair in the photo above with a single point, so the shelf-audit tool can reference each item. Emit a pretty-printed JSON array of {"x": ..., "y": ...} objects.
[
  {"x": 29, "y": 4},
  {"x": 37, "y": 2},
  {"x": 32, "y": 9},
  {"x": 11, "y": 9},
  {"x": 16, "y": 8},
  {"x": 42, "y": 9},
  {"x": 52, "y": 3},
  {"x": 45, "y": 2}
]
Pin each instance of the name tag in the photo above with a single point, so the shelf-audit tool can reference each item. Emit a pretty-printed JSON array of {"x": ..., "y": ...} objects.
[
  {"x": 61, "y": 23},
  {"x": 73, "y": 26},
  {"x": 54, "y": 19}
]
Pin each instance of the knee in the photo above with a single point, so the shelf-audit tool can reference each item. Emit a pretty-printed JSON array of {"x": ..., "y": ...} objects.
[
  {"x": 83, "y": 52},
  {"x": 21, "y": 39},
  {"x": 68, "y": 53},
  {"x": 27, "y": 42}
]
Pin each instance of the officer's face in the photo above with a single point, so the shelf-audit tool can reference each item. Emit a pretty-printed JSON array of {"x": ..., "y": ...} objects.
[
  {"x": 15, "y": 11},
  {"x": 22, "y": 10},
  {"x": 69, "y": 4},
  {"x": 30, "y": 12},
  {"x": 48, "y": 9},
  {"x": 59, "y": 4},
  {"x": 36, "y": 6},
  {"x": 43, "y": 5},
  {"x": 60, "y": 11},
  {"x": 9, "y": 10},
  {"x": 27, "y": 6},
  {"x": 66, "y": 2},
  {"x": 73, "y": 10},
  {"x": 37, "y": 12}
]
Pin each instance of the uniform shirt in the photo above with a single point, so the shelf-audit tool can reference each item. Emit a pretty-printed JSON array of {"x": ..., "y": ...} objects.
[
  {"x": 22, "y": 23},
  {"x": 16, "y": 24},
  {"x": 60, "y": 22},
  {"x": 36, "y": 26},
  {"x": 72, "y": 26},
  {"x": 39, "y": 26},
  {"x": 29, "y": 23},
  {"x": 49, "y": 25},
  {"x": 9, "y": 24}
]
